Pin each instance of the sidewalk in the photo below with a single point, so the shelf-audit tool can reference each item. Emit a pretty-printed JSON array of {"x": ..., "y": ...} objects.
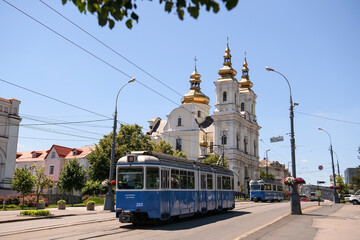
[
  {"x": 14, "y": 215},
  {"x": 336, "y": 221}
]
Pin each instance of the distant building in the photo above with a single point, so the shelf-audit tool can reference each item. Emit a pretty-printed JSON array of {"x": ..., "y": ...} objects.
[
  {"x": 277, "y": 169},
  {"x": 53, "y": 159},
  {"x": 349, "y": 174},
  {"x": 232, "y": 129},
  {"x": 9, "y": 130}
]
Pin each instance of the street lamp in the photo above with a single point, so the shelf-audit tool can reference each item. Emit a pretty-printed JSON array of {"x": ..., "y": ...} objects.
[
  {"x": 109, "y": 198},
  {"x": 267, "y": 168},
  {"x": 336, "y": 197},
  {"x": 295, "y": 199}
]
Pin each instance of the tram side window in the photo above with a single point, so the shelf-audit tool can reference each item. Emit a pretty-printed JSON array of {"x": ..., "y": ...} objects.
[
  {"x": 232, "y": 183},
  {"x": 191, "y": 180},
  {"x": 267, "y": 186},
  {"x": 131, "y": 178},
  {"x": 209, "y": 181},
  {"x": 183, "y": 180},
  {"x": 152, "y": 178},
  {"x": 175, "y": 179},
  {"x": 279, "y": 188},
  {"x": 218, "y": 182},
  {"x": 226, "y": 183},
  {"x": 203, "y": 181},
  {"x": 255, "y": 187},
  {"x": 262, "y": 187},
  {"x": 164, "y": 179},
  {"x": 274, "y": 187}
]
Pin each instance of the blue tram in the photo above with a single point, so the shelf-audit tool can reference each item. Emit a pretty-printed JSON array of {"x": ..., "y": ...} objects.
[
  {"x": 266, "y": 191},
  {"x": 160, "y": 187}
]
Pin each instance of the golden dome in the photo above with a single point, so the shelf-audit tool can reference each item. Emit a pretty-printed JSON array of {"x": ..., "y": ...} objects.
[
  {"x": 195, "y": 95},
  {"x": 245, "y": 81}
]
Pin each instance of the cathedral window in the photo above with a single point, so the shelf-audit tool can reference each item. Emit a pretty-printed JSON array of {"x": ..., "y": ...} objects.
[
  {"x": 242, "y": 107},
  {"x": 179, "y": 144},
  {"x": 224, "y": 96},
  {"x": 179, "y": 121},
  {"x": 245, "y": 145},
  {"x": 224, "y": 140}
]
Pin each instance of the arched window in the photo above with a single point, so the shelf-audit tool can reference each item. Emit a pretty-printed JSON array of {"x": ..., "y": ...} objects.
[
  {"x": 224, "y": 96},
  {"x": 179, "y": 144},
  {"x": 179, "y": 121},
  {"x": 224, "y": 140},
  {"x": 255, "y": 148},
  {"x": 242, "y": 106},
  {"x": 199, "y": 113}
]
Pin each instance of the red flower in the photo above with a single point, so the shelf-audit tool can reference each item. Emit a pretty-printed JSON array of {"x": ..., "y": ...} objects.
[{"x": 113, "y": 182}]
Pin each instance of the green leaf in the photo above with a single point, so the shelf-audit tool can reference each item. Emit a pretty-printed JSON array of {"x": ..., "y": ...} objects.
[
  {"x": 129, "y": 23},
  {"x": 111, "y": 23},
  {"x": 194, "y": 12},
  {"x": 64, "y": 2},
  {"x": 216, "y": 7},
  {"x": 180, "y": 13},
  {"x": 230, "y": 4},
  {"x": 134, "y": 16},
  {"x": 168, "y": 6}
]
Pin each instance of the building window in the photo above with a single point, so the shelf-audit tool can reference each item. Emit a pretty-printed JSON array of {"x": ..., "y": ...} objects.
[
  {"x": 53, "y": 155},
  {"x": 245, "y": 145},
  {"x": 211, "y": 147},
  {"x": 34, "y": 155},
  {"x": 224, "y": 140},
  {"x": 0, "y": 108},
  {"x": 6, "y": 109},
  {"x": 51, "y": 170},
  {"x": 75, "y": 152},
  {"x": 242, "y": 107},
  {"x": 179, "y": 144},
  {"x": 199, "y": 114},
  {"x": 237, "y": 142},
  {"x": 179, "y": 121},
  {"x": 224, "y": 96},
  {"x": 255, "y": 148}
]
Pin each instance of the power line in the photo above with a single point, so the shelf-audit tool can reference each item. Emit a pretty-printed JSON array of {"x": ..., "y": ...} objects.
[
  {"x": 327, "y": 118},
  {"x": 55, "y": 123},
  {"x": 108, "y": 47}
]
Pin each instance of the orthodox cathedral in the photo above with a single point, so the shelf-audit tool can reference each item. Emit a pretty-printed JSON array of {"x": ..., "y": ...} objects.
[{"x": 231, "y": 131}]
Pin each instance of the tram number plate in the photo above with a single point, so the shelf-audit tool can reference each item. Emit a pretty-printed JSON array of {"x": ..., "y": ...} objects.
[{"x": 139, "y": 204}]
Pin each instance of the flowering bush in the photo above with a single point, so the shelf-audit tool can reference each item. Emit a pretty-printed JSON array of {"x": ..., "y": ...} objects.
[
  {"x": 289, "y": 181},
  {"x": 299, "y": 181},
  {"x": 105, "y": 183},
  {"x": 10, "y": 199},
  {"x": 113, "y": 182},
  {"x": 332, "y": 187},
  {"x": 30, "y": 201}
]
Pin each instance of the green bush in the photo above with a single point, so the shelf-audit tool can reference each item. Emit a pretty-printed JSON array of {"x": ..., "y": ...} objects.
[
  {"x": 61, "y": 202},
  {"x": 35, "y": 212},
  {"x": 93, "y": 188},
  {"x": 343, "y": 201},
  {"x": 41, "y": 201},
  {"x": 97, "y": 200},
  {"x": 90, "y": 202}
]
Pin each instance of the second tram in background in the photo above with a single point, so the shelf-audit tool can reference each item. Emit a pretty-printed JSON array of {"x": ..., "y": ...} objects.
[
  {"x": 261, "y": 190},
  {"x": 152, "y": 187}
]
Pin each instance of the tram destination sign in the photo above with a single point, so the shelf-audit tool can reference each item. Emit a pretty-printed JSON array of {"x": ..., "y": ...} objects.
[{"x": 277, "y": 139}]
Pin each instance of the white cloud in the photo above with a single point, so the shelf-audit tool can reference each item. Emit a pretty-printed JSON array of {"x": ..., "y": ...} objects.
[{"x": 304, "y": 161}]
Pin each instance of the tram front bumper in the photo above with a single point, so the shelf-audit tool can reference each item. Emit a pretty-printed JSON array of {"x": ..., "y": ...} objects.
[{"x": 125, "y": 217}]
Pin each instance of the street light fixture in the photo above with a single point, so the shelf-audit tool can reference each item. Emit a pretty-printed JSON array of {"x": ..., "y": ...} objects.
[
  {"x": 336, "y": 197},
  {"x": 109, "y": 198},
  {"x": 295, "y": 199}
]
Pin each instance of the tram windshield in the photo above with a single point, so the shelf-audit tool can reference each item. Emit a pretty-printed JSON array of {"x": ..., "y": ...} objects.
[
  {"x": 131, "y": 178},
  {"x": 254, "y": 187}
]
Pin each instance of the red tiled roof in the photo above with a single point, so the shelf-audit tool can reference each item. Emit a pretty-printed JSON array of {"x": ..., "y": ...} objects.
[
  {"x": 27, "y": 155},
  {"x": 5, "y": 100}
]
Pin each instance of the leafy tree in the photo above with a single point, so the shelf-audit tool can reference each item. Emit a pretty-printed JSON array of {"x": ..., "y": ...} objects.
[
  {"x": 129, "y": 138},
  {"x": 109, "y": 11},
  {"x": 93, "y": 188},
  {"x": 263, "y": 175},
  {"x": 180, "y": 154},
  {"x": 214, "y": 159},
  {"x": 23, "y": 182},
  {"x": 72, "y": 177},
  {"x": 356, "y": 179},
  {"x": 163, "y": 147},
  {"x": 343, "y": 187},
  {"x": 41, "y": 181}
]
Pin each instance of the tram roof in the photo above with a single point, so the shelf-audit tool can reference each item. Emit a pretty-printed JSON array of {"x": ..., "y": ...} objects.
[{"x": 171, "y": 160}]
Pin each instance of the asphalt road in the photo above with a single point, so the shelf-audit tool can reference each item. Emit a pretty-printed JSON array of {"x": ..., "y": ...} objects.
[{"x": 246, "y": 218}]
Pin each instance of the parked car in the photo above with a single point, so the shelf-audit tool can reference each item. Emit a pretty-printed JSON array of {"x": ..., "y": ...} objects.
[
  {"x": 347, "y": 197},
  {"x": 303, "y": 198},
  {"x": 355, "y": 199}
]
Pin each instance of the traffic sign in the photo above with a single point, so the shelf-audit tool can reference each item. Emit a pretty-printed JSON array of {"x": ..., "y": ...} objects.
[
  {"x": 321, "y": 167},
  {"x": 277, "y": 139}
]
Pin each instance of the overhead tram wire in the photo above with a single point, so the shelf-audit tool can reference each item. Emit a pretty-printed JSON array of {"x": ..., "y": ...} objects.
[
  {"x": 108, "y": 47},
  {"x": 87, "y": 51},
  {"x": 50, "y": 123},
  {"x": 67, "y": 134},
  {"x": 327, "y": 118}
]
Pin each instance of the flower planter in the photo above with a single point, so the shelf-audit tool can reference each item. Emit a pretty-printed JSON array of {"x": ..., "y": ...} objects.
[
  {"x": 90, "y": 207},
  {"x": 61, "y": 206},
  {"x": 41, "y": 205}
]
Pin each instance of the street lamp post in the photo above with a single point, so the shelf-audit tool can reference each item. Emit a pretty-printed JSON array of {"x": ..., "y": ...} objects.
[
  {"x": 338, "y": 166},
  {"x": 267, "y": 168},
  {"x": 109, "y": 198},
  {"x": 295, "y": 199},
  {"x": 336, "y": 197}
]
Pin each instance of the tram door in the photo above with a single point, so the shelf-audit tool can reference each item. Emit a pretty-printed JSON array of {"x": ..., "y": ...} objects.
[{"x": 165, "y": 197}]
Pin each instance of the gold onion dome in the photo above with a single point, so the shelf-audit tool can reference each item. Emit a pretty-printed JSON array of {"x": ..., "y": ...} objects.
[
  {"x": 195, "y": 95},
  {"x": 245, "y": 81},
  {"x": 227, "y": 69}
]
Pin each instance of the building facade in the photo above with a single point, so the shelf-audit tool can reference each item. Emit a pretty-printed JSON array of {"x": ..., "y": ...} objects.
[
  {"x": 231, "y": 131},
  {"x": 277, "y": 169},
  {"x": 9, "y": 131},
  {"x": 349, "y": 174},
  {"x": 53, "y": 159}
]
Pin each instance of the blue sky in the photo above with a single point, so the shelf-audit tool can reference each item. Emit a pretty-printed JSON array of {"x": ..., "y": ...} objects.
[{"x": 315, "y": 44}]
